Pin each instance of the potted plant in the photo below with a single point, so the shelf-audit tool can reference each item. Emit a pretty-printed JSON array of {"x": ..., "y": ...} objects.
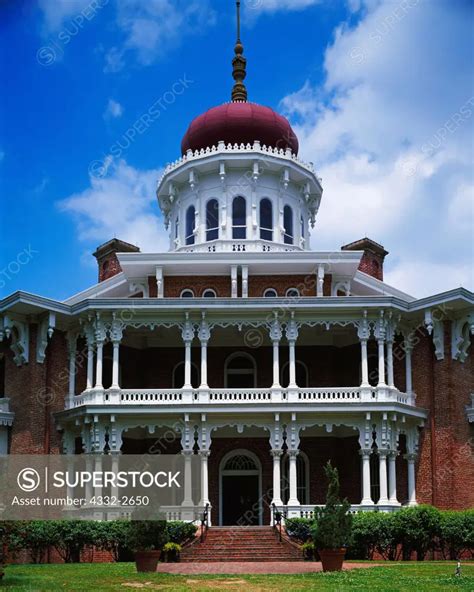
[
  {"x": 171, "y": 552},
  {"x": 308, "y": 550},
  {"x": 146, "y": 539},
  {"x": 332, "y": 530}
]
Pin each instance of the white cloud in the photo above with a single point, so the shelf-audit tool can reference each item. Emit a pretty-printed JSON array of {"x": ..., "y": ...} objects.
[
  {"x": 390, "y": 132},
  {"x": 56, "y": 12},
  {"x": 123, "y": 205},
  {"x": 154, "y": 27},
  {"x": 113, "y": 110},
  {"x": 256, "y": 7}
]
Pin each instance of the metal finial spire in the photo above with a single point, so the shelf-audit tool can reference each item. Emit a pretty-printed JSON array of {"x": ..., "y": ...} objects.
[{"x": 239, "y": 92}]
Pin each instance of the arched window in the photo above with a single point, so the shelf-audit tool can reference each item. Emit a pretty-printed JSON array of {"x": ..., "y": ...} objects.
[
  {"x": 270, "y": 293},
  {"x": 212, "y": 220},
  {"x": 209, "y": 293},
  {"x": 292, "y": 293},
  {"x": 302, "y": 478},
  {"x": 187, "y": 293},
  {"x": 190, "y": 222},
  {"x": 240, "y": 371},
  {"x": 288, "y": 225},
  {"x": 239, "y": 217},
  {"x": 301, "y": 374},
  {"x": 178, "y": 375},
  {"x": 266, "y": 219}
]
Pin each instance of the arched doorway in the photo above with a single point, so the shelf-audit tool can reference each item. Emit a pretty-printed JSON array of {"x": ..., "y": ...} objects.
[{"x": 240, "y": 489}]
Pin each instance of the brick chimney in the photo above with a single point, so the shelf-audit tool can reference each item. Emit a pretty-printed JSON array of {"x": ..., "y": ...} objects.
[
  {"x": 106, "y": 256},
  {"x": 373, "y": 257}
]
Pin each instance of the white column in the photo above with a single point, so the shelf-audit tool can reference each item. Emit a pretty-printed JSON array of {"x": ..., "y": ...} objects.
[
  {"x": 381, "y": 347},
  {"x": 293, "y": 479},
  {"x": 411, "y": 457},
  {"x": 276, "y": 454},
  {"x": 390, "y": 379},
  {"x": 204, "y": 335},
  {"x": 188, "y": 496},
  {"x": 245, "y": 281},
  {"x": 392, "y": 477},
  {"x": 364, "y": 363},
  {"x": 233, "y": 281},
  {"x": 320, "y": 280},
  {"x": 383, "y": 500},
  {"x": 90, "y": 365},
  {"x": 292, "y": 365},
  {"x": 276, "y": 365},
  {"x": 204, "y": 454},
  {"x": 114, "y": 490},
  {"x": 98, "y": 367},
  {"x": 72, "y": 370},
  {"x": 366, "y": 492},
  {"x": 187, "y": 365},
  {"x": 98, "y": 469},
  {"x": 408, "y": 374},
  {"x": 203, "y": 364},
  {"x": 115, "y": 365}
]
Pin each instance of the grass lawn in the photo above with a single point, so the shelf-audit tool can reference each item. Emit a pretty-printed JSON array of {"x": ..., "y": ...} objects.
[{"x": 92, "y": 577}]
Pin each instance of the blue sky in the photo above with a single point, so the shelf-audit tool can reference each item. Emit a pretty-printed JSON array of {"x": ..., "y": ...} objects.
[{"x": 380, "y": 93}]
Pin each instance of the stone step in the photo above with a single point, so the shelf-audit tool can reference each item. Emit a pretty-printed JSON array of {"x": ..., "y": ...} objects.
[{"x": 257, "y": 543}]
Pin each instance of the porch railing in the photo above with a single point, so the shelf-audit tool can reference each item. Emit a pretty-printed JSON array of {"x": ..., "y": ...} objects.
[{"x": 237, "y": 396}]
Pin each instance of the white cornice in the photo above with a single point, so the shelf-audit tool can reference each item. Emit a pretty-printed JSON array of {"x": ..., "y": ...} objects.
[{"x": 380, "y": 287}]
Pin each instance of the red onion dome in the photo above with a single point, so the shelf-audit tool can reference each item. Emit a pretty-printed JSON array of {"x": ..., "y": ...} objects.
[{"x": 239, "y": 122}]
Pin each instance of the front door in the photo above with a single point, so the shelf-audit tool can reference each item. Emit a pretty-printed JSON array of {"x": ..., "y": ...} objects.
[{"x": 240, "y": 504}]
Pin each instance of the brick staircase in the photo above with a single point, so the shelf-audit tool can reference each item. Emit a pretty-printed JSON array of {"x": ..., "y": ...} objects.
[{"x": 240, "y": 543}]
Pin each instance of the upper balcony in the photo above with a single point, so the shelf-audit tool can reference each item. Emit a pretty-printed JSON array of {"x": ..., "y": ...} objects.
[{"x": 225, "y": 363}]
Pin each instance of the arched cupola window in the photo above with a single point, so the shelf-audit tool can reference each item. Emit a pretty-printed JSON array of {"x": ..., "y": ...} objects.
[
  {"x": 212, "y": 220},
  {"x": 288, "y": 225},
  {"x": 266, "y": 219},
  {"x": 190, "y": 225},
  {"x": 239, "y": 217}
]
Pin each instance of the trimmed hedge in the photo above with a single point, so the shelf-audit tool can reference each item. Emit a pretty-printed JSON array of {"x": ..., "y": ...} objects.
[
  {"x": 402, "y": 534},
  {"x": 70, "y": 537}
]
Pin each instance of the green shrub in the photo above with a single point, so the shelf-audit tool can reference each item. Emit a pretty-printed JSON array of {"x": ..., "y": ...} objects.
[
  {"x": 456, "y": 533},
  {"x": 373, "y": 532},
  {"x": 112, "y": 536},
  {"x": 299, "y": 528},
  {"x": 180, "y": 532},
  {"x": 146, "y": 535},
  {"x": 332, "y": 529},
  {"x": 417, "y": 529}
]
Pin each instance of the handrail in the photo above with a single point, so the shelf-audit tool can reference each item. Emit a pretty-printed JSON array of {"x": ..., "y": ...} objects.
[
  {"x": 204, "y": 523},
  {"x": 277, "y": 520}
]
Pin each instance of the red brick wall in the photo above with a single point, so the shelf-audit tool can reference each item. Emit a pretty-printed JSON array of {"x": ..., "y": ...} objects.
[
  {"x": 445, "y": 468},
  {"x": 153, "y": 367},
  {"x": 36, "y": 391},
  {"x": 173, "y": 285},
  {"x": 108, "y": 266},
  {"x": 372, "y": 264},
  {"x": 306, "y": 284}
]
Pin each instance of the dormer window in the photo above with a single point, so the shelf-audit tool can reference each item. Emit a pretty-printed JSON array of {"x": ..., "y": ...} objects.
[
  {"x": 288, "y": 225},
  {"x": 190, "y": 225},
  {"x": 266, "y": 219},
  {"x": 239, "y": 217},
  {"x": 212, "y": 220}
]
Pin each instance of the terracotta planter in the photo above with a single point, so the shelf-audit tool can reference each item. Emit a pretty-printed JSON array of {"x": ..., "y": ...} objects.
[
  {"x": 332, "y": 559},
  {"x": 147, "y": 560}
]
